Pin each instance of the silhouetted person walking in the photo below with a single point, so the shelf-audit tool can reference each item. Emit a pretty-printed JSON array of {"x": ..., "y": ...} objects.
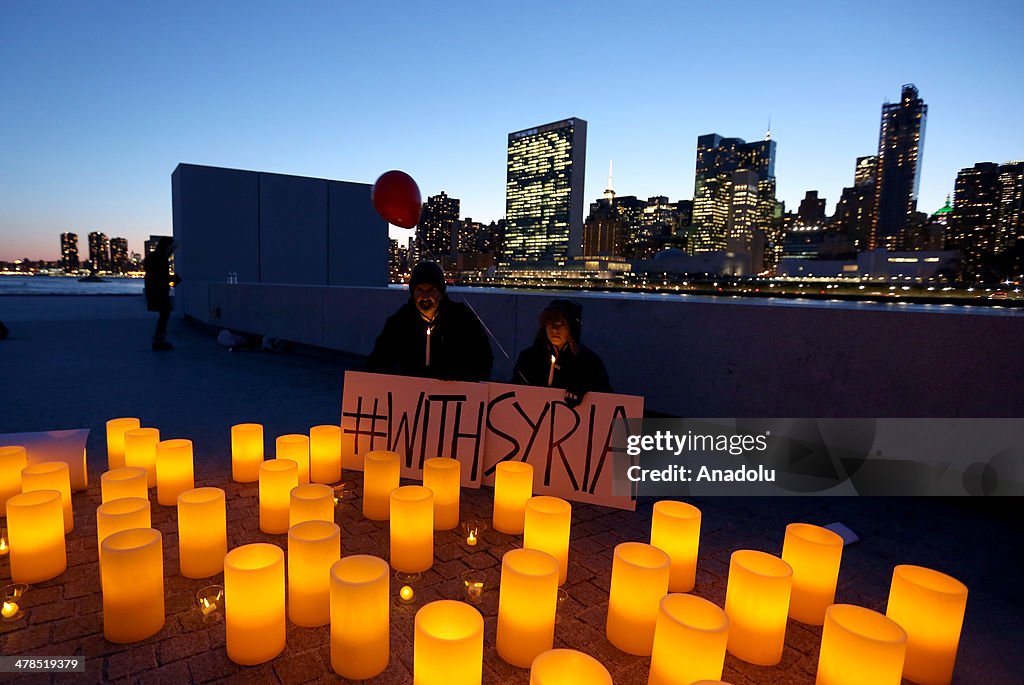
[{"x": 159, "y": 280}]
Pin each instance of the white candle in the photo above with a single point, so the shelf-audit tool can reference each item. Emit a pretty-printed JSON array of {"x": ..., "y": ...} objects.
[
  {"x": 429, "y": 328},
  {"x": 551, "y": 373}
]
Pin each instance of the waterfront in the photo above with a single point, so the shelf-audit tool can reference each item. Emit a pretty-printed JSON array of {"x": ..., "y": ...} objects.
[{"x": 68, "y": 285}]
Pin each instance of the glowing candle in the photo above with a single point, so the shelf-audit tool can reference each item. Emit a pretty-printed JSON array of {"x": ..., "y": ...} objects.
[
  {"x": 10, "y": 609},
  {"x": 444, "y": 477},
  {"x": 246, "y": 452},
  {"x": 325, "y": 454},
  {"x": 296, "y": 448},
  {"x": 4, "y": 548},
  {"x": 35, "y": 524},
  {"x": 174, "y": 470},
  {"x": 140, "y": 450},
  {"x": 860, "y": 646},
  {"x": 547, "y": 529},
  {"x": 639, "y": 581},
  {"x": 689, "y": 641},
  {"x": 513, "y": 485},
  {"x": 13, "y": 460},
  {"x": 313, "y": 548},
  {"x": 471, "y": 539},
  {"x": 757, "y": 603},
  {"x": 202, "y": 532},
  {"x": 381, "y": 472},
  {"x": 412, "y": 529},
  {"x": 116, "y": 429},
  {"x": 120, "y": 514},
  {"x": 814, "y": 554},
  {"x": 277, "y": 479},
  {"x": 551, "y": 372},
  {"x": 406, "y": 594},
  {"x": 568, "y": 667},
  {"x": 675, "y": 530},
  {"x": 930, "y": 606},
  {"x": 526, "y": 605},
  {"x": 429, "y": 329},
  {"x": 51, "y": 475},
  {"x": 132, "y": 578},
  {"x": 448, "y": 645},
  {"x": 360, "y": 617},
  {"x": 312, "y": 502},
  {"x": 129, "y": 481},
  {"x": 254, "y": 613}
]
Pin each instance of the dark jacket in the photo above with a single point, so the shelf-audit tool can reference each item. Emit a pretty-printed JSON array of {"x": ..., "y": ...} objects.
[
  {"x": 158, "y": 281},
  {"x": 459, "y": 348},
  {"x": 578, "y": 372}
]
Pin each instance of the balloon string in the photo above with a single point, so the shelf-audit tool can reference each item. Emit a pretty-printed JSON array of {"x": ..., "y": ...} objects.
[{"x": 481, "y": 320}]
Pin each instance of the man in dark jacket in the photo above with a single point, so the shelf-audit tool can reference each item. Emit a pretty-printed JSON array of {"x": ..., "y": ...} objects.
[
  {"x": 431, "y": 336},
  {"x": 158, "y": 289},
  {"x": 557, "y": 358}
]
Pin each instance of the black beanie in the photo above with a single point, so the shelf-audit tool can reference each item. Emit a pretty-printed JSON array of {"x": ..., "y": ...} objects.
[
  {"x": 427, "y": 272},
  {"x": 569, "y": 310}
]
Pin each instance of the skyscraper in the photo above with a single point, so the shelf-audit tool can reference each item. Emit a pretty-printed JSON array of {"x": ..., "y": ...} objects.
[
  {"x": 853, "y": 215},
  {"x": 99, "y": 251},
  {"x": 1011, "y": 206},
  {"x": 437, "y": 226},
  {"x": 544, "y": 192},
  {"x": 119, "y": 255},
  {"x": 69, "y": 251},
  {"x": 975, "y": 217},
  {"x": 900, "y": 147}
]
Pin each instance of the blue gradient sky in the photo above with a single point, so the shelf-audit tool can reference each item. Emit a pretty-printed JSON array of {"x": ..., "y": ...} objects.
[{"x": 101, "y": 100}]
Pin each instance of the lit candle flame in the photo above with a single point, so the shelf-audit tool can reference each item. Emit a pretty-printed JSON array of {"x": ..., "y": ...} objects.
[
  {"x": 471, "y": 540},
  {"x": 9, "y": 609},
  {"x": 551, "y": 372},
  {"x": 406, "y": 593},
  {"x": 3, "y": 547}
]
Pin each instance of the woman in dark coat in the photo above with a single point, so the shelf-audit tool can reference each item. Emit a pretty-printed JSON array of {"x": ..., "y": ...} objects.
[
  {"x": 159, "y": 280},
  {"x": 558, "y": 359}
]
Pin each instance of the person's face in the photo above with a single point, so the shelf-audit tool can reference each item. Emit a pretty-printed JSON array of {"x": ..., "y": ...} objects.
[
  {"x": 557, "y": 332},
  {"x": 427, "y": 297}
]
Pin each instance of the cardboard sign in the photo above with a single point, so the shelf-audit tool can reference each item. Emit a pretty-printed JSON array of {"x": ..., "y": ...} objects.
[{"x": 67, "y": 446}]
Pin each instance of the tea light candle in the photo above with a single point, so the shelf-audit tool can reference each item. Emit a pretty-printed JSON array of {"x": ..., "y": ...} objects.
[
  {"x": 254, "y": 613},
  {"x": 246, "y": 452},
  {"x": 129, "y": 481},
  {"x": 448, "y": 644},
  {"x": 10, "y": 609},
  {"x": 757, "y": 604},
  {"x": 325, "y": 454},
  {"x": 296, "y": 448},
  {"x": 277, "y": 479},
  {"x": 132, "y": 579},
  {"x": 209, "y": 600},
  {"x": 381, "y": 473},
  {"x": 174, "y": 470},
  {"x": 675, "y": 530},
  {"x": 140, "y": 450},
  {"x": 4, "y": 548},
  {"x": 474, "y": 581},
  {"x": 639, "y": 581},
  {"x": 35, "y": 524},
  {"x": 526, "y": 605},
  {"x": 202, "y": 532},
  {"x": 513, "y": 485},
  {"x": 120, "y": 514},
  {"x": 116, "y": 429},
  {"x": 566, "y": 667},
  {"x": 360, "y": 617},
  {"x": 51, "y": 475},
  {"x": 444, "y": 478},
  {"x": 474, "y": 529},
  {"x": 814, "y": 553},
  {"x": 412, "y": 529},
  {"x": 689, "y": 641},
  {"x": 313, "y": 547},
  {"x": 13, "y": 460},
  {"x": 406, "y": 594},
  {"x": 312, "y": 502},
  {"x": 860, "y": 646},
  {"x": 547, "y": 529}
]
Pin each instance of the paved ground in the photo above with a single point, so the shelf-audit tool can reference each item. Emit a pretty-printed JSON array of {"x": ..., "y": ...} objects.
[{"x": 75, "y": 362}]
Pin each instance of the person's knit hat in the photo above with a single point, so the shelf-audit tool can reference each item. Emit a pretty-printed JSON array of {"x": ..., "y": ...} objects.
[
  {"x": 427, "y": 272},
  {"x": 564, "y": 309}
]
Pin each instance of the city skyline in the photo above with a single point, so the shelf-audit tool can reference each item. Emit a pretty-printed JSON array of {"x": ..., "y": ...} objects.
[{"x": 109, "y": 100}]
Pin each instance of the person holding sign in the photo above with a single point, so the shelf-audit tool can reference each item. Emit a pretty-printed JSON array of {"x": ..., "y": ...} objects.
[
  {"x": 431, "y": 336},
  {"x": 557, "y": 359}
]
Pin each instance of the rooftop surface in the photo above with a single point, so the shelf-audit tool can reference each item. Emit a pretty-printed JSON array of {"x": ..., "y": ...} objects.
[{"x": 74, "y": 362}]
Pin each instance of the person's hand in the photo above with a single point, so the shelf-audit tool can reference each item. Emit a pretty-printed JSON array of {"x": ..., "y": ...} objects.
[{"x": 573, "y": 398}]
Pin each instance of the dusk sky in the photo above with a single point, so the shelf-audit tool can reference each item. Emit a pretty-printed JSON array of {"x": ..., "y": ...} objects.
[{"x": 102, "y": 100}]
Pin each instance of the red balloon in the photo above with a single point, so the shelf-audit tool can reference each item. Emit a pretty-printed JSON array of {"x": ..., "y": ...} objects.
[{"x": 396, "y": 198}]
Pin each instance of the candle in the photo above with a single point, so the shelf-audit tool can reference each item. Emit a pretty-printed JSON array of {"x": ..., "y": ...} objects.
[
  {"x": 675, "y": 530},
  {"x": 246, "y": 452},
  {"x": 444, "y": 477},
  {"x": 129, "y": 481},
  {"x": 202, "y": 532},
  {"x": 381, "y": 472},
  {"x": 471, "y": 539},
  {"x": 360, "y": 617},
  {"x": 174, "y": 470},
  {"x": 814, "y": 553},
  {"x": 254, "y": 613},
  {"x": 513, "y": 486},
  {"x": 35, "y": 523},
  {"x": 474, "y": 581},
  {"x": 860, "y": 646},
  {"x": 325, "y": 454},
  {"x": 412, "y": 529},
  {"x": 277, "y": 479},
  {"x": 546, "y": 529},
  {"x": 429, "y": 329},
  {"x": 120, "y": 514},
  {"x": 132, "y": 579},
  {"x": 140, "y": 450},
  {"x": 312, "y": 502},
  {"x": 406, "y": 594},
  {"x": 551, "y": 372},
  {"x": 4, "y": 549},
  {"x": 313, "y": 548},
  {"x": 448, "y": 644},
  {"x": 51, "y": 475},
  {"x": 296, "y": 448},
  {"x": 757, "y": 603},
  {"x": 209, "y": 599},
  {"x": 116, "y": 429},
  {"x": 10, "y": 609},
  {"x": 13, "y": 460},
  {"x": 639, "y": 581},
  {"x": 567, "y": 666},
  {"x": 689, "y": 641},
  {"x": 526, "y": 605}
]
